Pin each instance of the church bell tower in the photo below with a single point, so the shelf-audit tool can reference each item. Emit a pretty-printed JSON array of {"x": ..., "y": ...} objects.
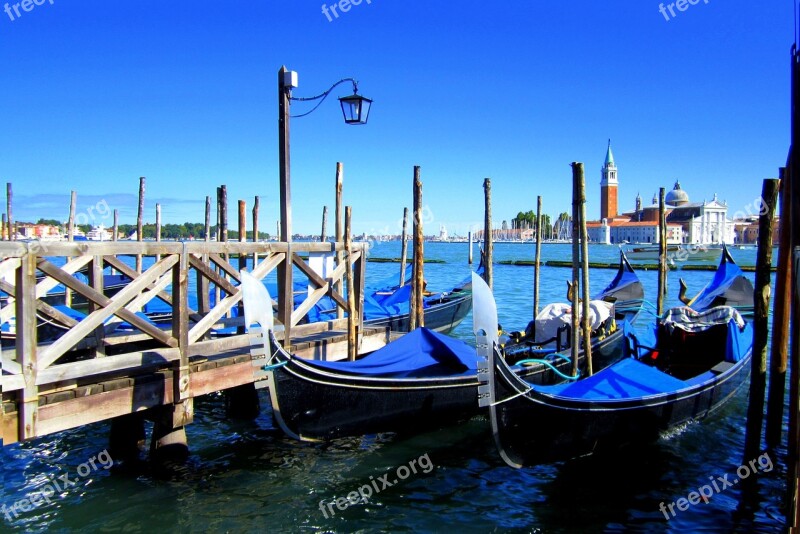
[{"x": 608, "y": 187}]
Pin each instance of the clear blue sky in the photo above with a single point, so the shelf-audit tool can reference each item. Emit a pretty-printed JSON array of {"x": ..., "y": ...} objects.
[{"x": 98, "y": 93}]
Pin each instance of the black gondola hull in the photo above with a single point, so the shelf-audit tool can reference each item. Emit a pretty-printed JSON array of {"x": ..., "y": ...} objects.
[{"x": 533, "y": 429}]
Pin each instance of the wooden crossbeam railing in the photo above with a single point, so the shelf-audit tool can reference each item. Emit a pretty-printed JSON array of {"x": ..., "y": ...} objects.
[{"x": 36, "y": 363}]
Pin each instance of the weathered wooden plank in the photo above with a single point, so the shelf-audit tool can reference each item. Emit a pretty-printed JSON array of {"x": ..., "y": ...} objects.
[
  {"x": 112, "y": 306},
  {"x": 41, "y": 306},
  {"x": 225, "y": 266},
  {"x": 307, "y": 304},
  {"x": 222, "y": 307},
  {"x": 96, "y": 281},
  {"x": 221, "y": 378},
  {"x": 27, "y": 354},
  {"x": 209, "y": 273},
  {"x": 267, "y": 265},
  {"x": 86, "y": 410},
  {"x": 180, "y": 326}
]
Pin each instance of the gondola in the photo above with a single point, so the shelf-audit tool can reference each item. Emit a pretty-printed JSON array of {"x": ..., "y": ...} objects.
[
  {"x": 546, "y": 339},
  {"x": 421, "y": 379},
  {"x": 685, "y": 367}
]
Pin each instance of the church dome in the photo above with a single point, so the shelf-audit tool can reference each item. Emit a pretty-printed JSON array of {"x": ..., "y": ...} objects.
[{"x": 677, "y": 197}]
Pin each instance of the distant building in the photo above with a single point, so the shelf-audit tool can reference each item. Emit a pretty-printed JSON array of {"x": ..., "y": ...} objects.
[
  {"x": 702, "y": 223},
  {"x": 608, "y": 186}
]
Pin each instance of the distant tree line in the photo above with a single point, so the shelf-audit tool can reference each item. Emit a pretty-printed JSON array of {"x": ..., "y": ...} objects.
[{"x": 186, "y": 230}]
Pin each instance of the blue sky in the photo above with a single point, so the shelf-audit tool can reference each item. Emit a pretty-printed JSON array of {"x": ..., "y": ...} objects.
[{"x": 182, "y": 92}]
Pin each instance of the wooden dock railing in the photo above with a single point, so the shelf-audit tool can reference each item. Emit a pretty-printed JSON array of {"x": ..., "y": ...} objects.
[{"x": 92, "y": 348}]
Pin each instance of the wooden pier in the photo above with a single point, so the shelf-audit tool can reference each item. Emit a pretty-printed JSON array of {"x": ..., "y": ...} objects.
[{"x": 96, "y": 371}]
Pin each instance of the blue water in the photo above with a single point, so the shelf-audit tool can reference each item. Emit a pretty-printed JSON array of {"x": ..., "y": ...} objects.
[{"x": 247, "y": 476}]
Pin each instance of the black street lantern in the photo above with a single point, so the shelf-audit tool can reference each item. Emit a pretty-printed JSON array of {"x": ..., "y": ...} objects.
[{"x": 355, "y": 108}]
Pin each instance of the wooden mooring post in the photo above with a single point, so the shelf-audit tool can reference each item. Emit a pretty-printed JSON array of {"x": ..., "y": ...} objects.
[
  {"x": 337, "y": 212},
  {"x": 662, "y": 251},
  {"x": 575, "y": 283},
  {"x": 586, "y": 329},
  {"x": 469, "y": 238},
  {"x": 404, "y": 248},
  {"x": 140, "y": 222},
  {"x": 416, "y": 315},
  {"x": 352, "y": 320},
  {"x": 761, "y": 296},
  {"x": 488, "y": 274},
  {"x": 9, "y": 211},
  {"x": 538, "y": 257},
  {"x": 779, "y": 353},
  {"x": 323, "y": 235},
  {"x": 793, "y": 449}
]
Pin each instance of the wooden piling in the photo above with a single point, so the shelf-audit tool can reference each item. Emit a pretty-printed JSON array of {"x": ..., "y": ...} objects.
[
  {"x": 73, "y": 206},
  {"x": 140, "y": 222},
  {"x": 73, "y": 202},
  {"x": 469, "y": 238},
  {"x": 576, "y": 255},
  {"x": 242, "y": 257},
  {"x": 256, "y": 209},
  {"x": 208, "y": 220},
  {"x": 404, "y": 248},
  {"x": 662, "y": 251},
  {"x": 115, "y": 237},
  {"x": 223, "y": 213},
  {"x": 416, "y": 315},
  {"x": 586, "y": 326},
  {"x": 779, "y": 355},
  {"x": 793, "y": 452},
  {"x": 126, "y": 438},
  {"x": 338, "y": 227},
  {"x": 538, "y": 258},
  {"x": 158, "y": 227},
  {"x": 758, "y": 376},
  {"x": 352, "y": 312},
  {"x": 241, "y": 402},
  {"x": 487, "y": 233},
  {"x": 323, "y": 235},
  {"x": 203, "y": 298},
  {"x": 158, "y": 222},
  {"x": 3, "y": 228},
  {"x": 10, "y": 218}
]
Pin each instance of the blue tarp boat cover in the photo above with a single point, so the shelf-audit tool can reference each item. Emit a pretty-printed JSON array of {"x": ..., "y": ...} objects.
[
  {"x": 630, "y": 378},
  {"x": 727, "y": 273},
  {"x": 627, "y": 379},
  {"x": 419, "y": 353}
]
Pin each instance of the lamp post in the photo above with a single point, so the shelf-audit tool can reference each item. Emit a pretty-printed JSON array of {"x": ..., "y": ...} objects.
[{"x": 355, "y": 109}]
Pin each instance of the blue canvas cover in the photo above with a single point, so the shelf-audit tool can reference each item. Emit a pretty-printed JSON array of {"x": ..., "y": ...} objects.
[
  {"x": 727, "y": 273},
  {"x": 419, "y": 353},
  {"x": 630, "y": 378},
  {"x": 627, "y": 379}
]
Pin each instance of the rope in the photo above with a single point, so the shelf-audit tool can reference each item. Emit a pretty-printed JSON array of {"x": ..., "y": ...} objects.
[
  {"x": 521, "y": 393},
  {"x": 551, "y": 366}
]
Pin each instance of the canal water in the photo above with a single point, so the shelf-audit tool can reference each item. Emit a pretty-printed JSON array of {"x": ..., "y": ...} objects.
[{"x": 247, "y": 476}]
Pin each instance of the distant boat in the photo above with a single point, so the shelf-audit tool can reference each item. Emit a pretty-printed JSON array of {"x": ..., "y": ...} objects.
[
  {"x": 675, "y": 252},
  {"x": 99, "y": 233}
]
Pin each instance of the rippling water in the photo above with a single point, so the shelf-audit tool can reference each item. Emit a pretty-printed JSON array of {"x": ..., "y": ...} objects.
[{"x": 246, "y": 476}]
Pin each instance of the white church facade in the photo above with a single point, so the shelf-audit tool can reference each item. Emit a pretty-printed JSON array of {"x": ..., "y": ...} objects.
[{"x": 700, "y": 223}]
